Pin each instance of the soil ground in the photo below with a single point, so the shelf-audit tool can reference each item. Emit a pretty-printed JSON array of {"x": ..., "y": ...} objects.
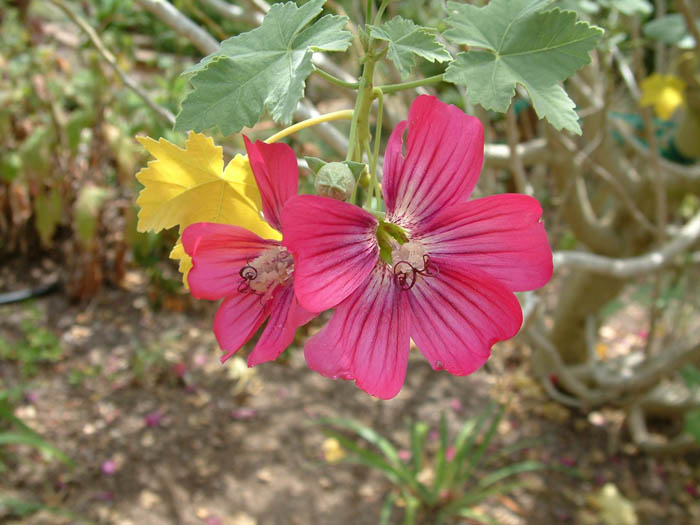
[{"x": 162, "y": 433}]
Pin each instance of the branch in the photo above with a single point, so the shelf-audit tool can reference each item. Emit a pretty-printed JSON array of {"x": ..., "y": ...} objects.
[
  {"x": 532, "y": 152},
  {"x": 109, "y": 58},
  {"x": 516, "y": 164},
  {"x": 640, "y": 435},
  {"x": 632, "y": 266},
  {"x": 169, "y": 14},
  {"x": 684, "y": 8},
  {"x": 648, "y": 374},
  {"x": 233, "y": 12}
]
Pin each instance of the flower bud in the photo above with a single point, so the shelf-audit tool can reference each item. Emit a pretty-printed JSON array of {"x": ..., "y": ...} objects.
[{"x": 334, "y": 180}]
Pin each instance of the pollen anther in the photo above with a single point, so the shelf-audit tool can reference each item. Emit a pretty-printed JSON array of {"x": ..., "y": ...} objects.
[{"x": 405, "y": 274}]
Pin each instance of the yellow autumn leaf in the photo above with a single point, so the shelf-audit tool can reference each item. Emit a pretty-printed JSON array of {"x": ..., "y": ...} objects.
[
  {"x": 664, "y": 92},
  {"x": 184, "y": 186}
]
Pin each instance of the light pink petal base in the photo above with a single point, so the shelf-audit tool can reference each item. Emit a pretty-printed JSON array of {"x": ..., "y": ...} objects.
[
  {"x": 457, "y": 316},
  {"x": 367, "y": 339},
  {"x": 218, "y": 252},
  {"x": 501, "y": 234},
  {"x": 334, "y": 246}
]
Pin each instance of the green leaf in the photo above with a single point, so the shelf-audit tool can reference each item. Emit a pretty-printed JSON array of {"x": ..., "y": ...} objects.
[
  {"x": 691, "y": 376},
  {"x": 48, "y": 210},
  {"x": 692, "y": 424},
  {"x": 387, "y": 507},
  {"x": 406, "y": 40},
  {"x": 419, "y": 431},
  {"x": 521, "y": 45},
  {"x": 368, "y": 434},
  {"x": 33, "y": 440},
  {"x": 629, "y": 7},
  {"x": 671, "y": 29},
  {"x": 263, "y": 69},
  {"x": 511, "y": 470}
]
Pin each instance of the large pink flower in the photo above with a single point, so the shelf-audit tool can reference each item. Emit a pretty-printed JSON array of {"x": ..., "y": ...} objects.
[
  {"x": 253, "y": 275},
  {"x": 454, "y": 263}
]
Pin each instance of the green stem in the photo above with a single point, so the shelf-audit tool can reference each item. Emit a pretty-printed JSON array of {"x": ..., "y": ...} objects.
[
  {"x": 368, "y": 14},
  {"x": 359, "y": 129},
  {"x": 335, "y": 80},
  {"x": 380, "y": 12},
  {"x": 377, "y": 142},
  {"x": 370, "y": 186},
  {"x": 392, "y": 88}
]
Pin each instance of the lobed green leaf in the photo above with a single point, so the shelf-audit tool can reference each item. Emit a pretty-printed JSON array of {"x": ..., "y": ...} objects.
[
  {"x": 408, "y": 40},
  {"x": 262, "y": 70},
  {"x": 521, "y": 44}
]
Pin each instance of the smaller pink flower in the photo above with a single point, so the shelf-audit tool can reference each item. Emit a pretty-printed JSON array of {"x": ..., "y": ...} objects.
[{"x": 253, "y": 276}]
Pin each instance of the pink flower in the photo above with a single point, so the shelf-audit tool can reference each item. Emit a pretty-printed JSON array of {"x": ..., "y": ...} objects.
[
  {"x": 253, "y": 275},
  {"x": 454, "y": 263}
]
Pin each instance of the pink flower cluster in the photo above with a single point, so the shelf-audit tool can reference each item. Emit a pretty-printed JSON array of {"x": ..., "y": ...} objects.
[{"x": 438, "y": 268}]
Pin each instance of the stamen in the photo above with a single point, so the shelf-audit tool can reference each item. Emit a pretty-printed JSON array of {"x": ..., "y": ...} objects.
[
  {"x": 262, "y": 275},
  {"x": 405, "y": 274}
]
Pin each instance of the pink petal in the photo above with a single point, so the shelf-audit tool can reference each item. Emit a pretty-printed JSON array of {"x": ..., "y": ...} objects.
[
  {"x": 237, "y": 319},
  {"x": 501, "y": 235},
  {"x": 218, "y": 252},
  {"x": 367, "y": 338},
  {"x": 286, "y": 314},
  {"x": 458, "y": 314},
  {"x": 444, "y": 155},
  {"x": 334, "y": 246},
  {"x": 277, "y": 173}
]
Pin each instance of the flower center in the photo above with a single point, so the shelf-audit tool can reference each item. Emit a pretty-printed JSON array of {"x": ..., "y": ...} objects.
[
  {"x": 263, "y": 274},
  {"x": 410, "y": 260}
]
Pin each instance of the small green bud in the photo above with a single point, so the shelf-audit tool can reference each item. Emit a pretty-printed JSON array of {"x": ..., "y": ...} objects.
[{"x": 334, "y": 180}]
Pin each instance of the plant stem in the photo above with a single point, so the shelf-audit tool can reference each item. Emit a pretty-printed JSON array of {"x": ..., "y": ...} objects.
[
  {"x": 392, "y": 88},
  {"x": 370, "y": 186},
  {"x": 359, "y": 129},
  {"x": 346, "y": 114},
  {"x": 335, "y": 80},
  {"x": 377, "y": 142},
  {"x": 380, "y": 12}
]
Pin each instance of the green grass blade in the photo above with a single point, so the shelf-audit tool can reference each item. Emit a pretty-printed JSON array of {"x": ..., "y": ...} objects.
[
  {"x": 387, "y": 508},
  {"x": 361, "y": 455},
  {"x": 33, "y": 440},
  {"x": 441, "y": 459},
  {"x": 510, "y": 470},
  {"x": 474, "y": 497},
  {"x": 419, "y": 432},
  {"x": 467, "y": 437},
  {"x": 477, "y": 516},
  {"x": 368, "y": 434},
  {"x": 475, "y": 458}
]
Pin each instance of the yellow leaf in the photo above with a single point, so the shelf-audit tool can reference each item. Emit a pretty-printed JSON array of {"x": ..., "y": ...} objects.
[
  {"x": 664, "y": 93},
  {"x": 185, "y": 261},
  {"x": 184, "y": 186}
]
